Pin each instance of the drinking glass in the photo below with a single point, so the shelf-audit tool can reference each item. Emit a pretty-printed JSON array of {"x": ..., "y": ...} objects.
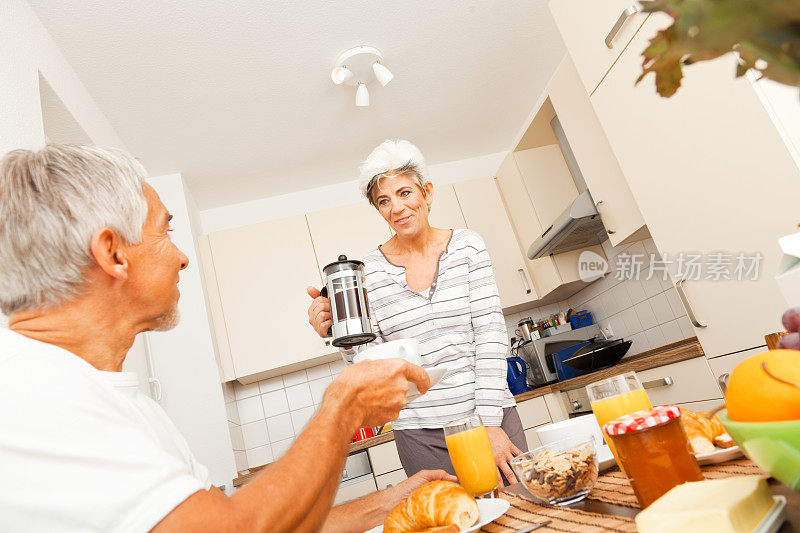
[
  {"x": 615, "y": 397},
  {"x": 471, "y": 454}
]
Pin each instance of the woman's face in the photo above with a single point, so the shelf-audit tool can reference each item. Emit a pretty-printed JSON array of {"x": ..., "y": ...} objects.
[{"x": 403, "y": 204}]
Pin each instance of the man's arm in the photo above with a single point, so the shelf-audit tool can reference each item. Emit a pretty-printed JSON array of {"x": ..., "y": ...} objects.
[
  {"x": 370, "y": 511},
  {"x": 296, "y": 493}
]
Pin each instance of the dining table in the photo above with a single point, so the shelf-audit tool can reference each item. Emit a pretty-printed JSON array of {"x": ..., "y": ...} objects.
[{"x": 611, "y": 505}]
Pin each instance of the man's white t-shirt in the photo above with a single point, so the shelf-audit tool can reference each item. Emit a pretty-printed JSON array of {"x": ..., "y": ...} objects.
[{"x": 82, "y": 449}]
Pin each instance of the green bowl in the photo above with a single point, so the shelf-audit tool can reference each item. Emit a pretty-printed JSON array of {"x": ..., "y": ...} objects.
[{"x": 774, "y": 446}]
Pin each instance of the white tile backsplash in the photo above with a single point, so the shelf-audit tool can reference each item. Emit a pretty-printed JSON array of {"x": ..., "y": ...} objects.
[
  {"x": 318, "y": 387},
  {"x": 337, "y": 367},
  {"x": 301, "y": 417},
  {"x": 299, "y": 396},
  {"x": 259, "y": 456},
  {"x": 295, "y": 378},
  {"x": 236, "y": 437},
  {"x": 245, "y": 391},
  {"x": 250, "y": 409},
  {"x": 281, "y": 447},
  {"x": 647, "y": 312},
  {"x": 319, "y": 371},
  {"x": 280, "y": 427},
  {"x": 275, "y": 403},
  {"x": 271, "y": 384},
  {"x": 255, "y": 434}
]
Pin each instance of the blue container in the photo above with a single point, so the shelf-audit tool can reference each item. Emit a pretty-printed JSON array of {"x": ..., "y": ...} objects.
[
  {"x": 580, "y": 320},
  {"x": 516, "y": 375},
  {"x": 563, "y": 371}
]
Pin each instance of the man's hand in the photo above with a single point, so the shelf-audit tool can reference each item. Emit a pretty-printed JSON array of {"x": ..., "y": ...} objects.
[
  {"x": 319, "y": 312},
  {"x": 504, "y": 451},
  {"x": 404, "y": 489},
  {"x": 375, "y": 391}
]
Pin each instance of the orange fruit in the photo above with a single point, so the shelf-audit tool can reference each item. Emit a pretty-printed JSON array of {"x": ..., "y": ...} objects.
[{"x": 765, "y": 388}]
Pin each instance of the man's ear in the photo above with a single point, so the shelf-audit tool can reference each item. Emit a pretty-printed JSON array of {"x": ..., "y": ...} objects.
[{"x": 109, "y": 254}]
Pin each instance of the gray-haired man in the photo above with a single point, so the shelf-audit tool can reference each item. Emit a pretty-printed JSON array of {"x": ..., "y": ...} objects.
[{"x": 86, "y": 263}]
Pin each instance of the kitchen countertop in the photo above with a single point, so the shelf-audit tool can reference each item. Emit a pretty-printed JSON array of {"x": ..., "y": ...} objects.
[{"x": 670, "y": 353}]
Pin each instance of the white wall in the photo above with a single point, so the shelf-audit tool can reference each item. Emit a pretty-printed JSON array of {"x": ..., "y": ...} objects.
[
  {"x": 26, "y": 50},
  {"x": 345, "y": 193},
  {"x": 184, "y": 357}
]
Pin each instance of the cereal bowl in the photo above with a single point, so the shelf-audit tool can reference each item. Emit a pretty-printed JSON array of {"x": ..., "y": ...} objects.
[{"x": 559, "y": 473}]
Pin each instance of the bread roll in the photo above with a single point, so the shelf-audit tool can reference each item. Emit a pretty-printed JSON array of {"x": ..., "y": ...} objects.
[
  {"x": 433, "y": 505},
  {"x": 701, "y": 431}
]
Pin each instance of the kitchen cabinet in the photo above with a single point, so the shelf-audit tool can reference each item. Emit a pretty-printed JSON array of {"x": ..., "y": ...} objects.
[
  {"x": 485, "y": 213},
  {"x": 445, "y": 211},
  {"x": 532, "y": 438},
  {"x": 686, "y": 381},
  {"x": 613, "y": 199},
  {"x": 526, "y": 224},
  {"x": 585, "y": 26},
  {"x": 353, "y": 230},
  {"x": 384, "y": 458},
  {"x": 533, "y": 412},
  {"x": 391, "y": 479},
  {"x": 359, "y": 488},
  {"x": 223, "y": 351},
  {"x": 710, "y": 174},
  {"x": 547, "y": 180},
  {"x": 262, "y": 272}
]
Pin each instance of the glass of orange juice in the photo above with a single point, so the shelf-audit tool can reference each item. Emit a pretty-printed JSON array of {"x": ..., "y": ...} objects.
[
  {"x": 615, "y": 397},
  {"x": 471, "y": 454}
]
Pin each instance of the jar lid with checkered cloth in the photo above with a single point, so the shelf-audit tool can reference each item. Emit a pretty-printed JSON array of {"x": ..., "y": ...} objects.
[{"x": 640, "y": 420}]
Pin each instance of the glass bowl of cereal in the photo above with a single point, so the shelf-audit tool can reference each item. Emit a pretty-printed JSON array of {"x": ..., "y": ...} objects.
[{"x": 559, "y": 473}]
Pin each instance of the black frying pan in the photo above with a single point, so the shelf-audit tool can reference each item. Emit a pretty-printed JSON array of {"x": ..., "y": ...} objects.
[{"x": 599, "y": 354}]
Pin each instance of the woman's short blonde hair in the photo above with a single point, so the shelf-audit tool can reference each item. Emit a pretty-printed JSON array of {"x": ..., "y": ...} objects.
[{"x": 392, "y": 158}]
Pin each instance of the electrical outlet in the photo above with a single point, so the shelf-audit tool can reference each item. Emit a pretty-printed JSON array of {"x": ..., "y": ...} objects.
[{"x": 607, "y": 331}]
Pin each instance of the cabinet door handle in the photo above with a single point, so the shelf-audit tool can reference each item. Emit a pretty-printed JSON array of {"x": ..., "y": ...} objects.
[
  {"x": 687, "y": 305},
  {"x": 627, "y": 13},
  {"x": 524, "y": 280},
  {"x": 656, "y": 383}
]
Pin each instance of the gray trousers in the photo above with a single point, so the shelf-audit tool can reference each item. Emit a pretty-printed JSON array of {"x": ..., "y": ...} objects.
[{"x": 425, "y": 449}]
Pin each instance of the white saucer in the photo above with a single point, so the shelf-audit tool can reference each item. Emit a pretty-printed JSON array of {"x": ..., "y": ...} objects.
[
  {"x": 489, "y": 510},
  {"x": 435, "y": 375}
]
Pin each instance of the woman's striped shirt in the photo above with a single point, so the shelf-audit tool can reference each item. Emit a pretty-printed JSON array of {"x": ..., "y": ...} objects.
[{"x": 459, "y": 325}]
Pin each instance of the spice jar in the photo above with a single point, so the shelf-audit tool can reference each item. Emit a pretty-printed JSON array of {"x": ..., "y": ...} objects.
[{"x": 654, "y": 451}]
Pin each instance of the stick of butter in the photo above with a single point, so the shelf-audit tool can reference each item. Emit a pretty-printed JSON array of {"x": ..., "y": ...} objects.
[{"x": 732, "y": 505}]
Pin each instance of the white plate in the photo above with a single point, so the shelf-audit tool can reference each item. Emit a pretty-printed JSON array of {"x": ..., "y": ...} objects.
[
  {"x": 489, "y": 509},
  {"x": 720, "y": 456},
  {"x": 774, "y": 518},
  {"x": 435, "y": 375}
]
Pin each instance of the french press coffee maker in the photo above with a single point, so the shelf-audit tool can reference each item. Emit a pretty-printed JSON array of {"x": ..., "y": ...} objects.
[{"x": 344, "y": 287}]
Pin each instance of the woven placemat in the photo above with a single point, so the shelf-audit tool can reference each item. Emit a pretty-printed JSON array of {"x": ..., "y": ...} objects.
[
  {"x": 526, "y": 512},
  {"x": 613, "y": 487}
]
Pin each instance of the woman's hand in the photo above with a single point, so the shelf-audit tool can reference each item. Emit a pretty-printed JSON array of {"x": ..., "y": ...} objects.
[
  {"x": 504, "y": 451},
  {"x": 319, "y": 312}
]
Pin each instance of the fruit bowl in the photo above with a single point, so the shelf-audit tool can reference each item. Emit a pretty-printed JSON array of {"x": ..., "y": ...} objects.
[{"x": 774, "y": 446}]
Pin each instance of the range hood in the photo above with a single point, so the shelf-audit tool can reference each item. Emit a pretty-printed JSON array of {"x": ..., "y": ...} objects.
[{"x": 579, "y": 225}]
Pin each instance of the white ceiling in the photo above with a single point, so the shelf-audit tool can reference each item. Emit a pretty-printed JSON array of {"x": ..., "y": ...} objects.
[{"x": 237, "y": 95}]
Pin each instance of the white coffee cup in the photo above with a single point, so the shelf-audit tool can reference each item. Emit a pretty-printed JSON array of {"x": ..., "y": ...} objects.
[{"x": 407, "y": 349}]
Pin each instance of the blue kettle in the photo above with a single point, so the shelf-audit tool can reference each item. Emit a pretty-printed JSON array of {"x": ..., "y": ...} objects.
[{"x": 516, "y": 375}]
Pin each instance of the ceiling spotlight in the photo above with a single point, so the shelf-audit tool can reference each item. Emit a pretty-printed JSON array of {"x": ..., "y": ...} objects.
[
  {"x": 362, "y": 96},
  {"x": 340, "y": 75},
  {"x": 383, "y": 74}
]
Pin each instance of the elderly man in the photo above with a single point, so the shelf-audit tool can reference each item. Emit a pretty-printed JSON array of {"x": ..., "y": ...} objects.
[{"x": 86, "y": 263}]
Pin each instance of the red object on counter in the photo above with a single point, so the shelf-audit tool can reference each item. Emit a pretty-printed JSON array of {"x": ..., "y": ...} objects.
[{"x": 363, "y": 433}]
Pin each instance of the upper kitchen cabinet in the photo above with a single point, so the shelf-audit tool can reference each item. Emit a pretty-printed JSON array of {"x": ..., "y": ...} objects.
[
  {"x": 710, "y": 174},
  {"x": 596, "y": 33},
  {"x": 445, "y": 211},
  {"x": 622, "y": 219},
  {"x": 548, "y": 181},
  {"x": 518, "y": 204},
  {"x": 353, "y": 230},
  {"x": 484, "y": 213},
  {"x": 262, "y": 272}
]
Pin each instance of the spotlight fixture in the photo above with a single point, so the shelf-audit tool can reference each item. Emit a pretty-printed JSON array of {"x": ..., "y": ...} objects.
[
  {"x": 383, "y": 74},
  {"x": 340, "y": 75},
  {"x": 357, "y": 67},
  {"x": 362, "y": 95}
]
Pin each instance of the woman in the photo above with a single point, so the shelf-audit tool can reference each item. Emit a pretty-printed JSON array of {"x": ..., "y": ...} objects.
[{"x": 435, "y": 285}]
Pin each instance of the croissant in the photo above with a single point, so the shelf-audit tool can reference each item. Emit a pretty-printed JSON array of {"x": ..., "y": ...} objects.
[
  {"x": 702, "y": 432},
  {"x": 433, "y": 507}
]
